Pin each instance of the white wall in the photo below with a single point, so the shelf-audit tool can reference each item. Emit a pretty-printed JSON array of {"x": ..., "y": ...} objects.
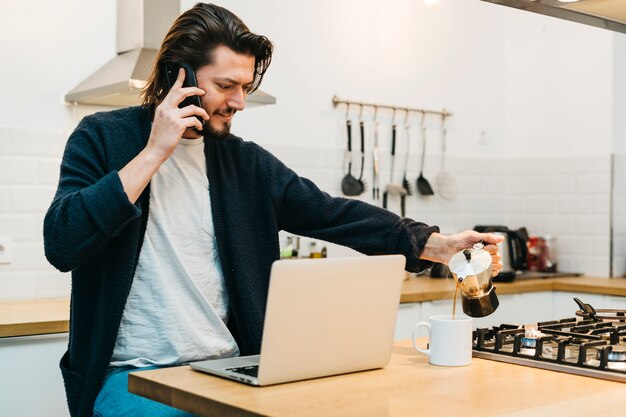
[
  {"x": 522, "y": 88},
  {"x": 559, "y": 94}
]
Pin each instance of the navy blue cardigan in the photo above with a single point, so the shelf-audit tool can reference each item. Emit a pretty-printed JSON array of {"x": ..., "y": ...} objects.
[{"x": 93, "y": 230}]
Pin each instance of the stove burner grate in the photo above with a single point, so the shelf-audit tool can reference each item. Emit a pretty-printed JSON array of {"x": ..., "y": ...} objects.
[
  {"x": 589, "y": 345},
  {"x": 603, "y": 314}
]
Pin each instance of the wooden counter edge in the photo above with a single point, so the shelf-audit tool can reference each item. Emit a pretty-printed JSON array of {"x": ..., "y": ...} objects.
[
  {"x": 44, "y": 316},
  {"x": 180, "y": 398},
  {"x": 36, "y": 328},
  {"x": 420, "y": 289},
  {"x": 34, "y": 317}
]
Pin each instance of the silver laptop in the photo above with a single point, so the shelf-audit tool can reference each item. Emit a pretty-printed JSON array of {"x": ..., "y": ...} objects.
[{"x": 323, "y": 317}]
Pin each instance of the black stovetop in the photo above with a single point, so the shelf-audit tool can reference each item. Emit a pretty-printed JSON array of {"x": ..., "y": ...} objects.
[{"x": 591, "y": 344}]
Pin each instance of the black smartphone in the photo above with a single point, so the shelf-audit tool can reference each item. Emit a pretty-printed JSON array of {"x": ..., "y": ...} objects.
[{"x": 171, "y": 74}]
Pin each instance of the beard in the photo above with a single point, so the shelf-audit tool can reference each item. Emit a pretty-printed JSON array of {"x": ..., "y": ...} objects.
[{"x": 211, "y": 133}]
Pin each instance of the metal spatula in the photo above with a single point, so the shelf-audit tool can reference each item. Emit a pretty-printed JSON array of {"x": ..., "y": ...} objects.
[
  {"x": 392, "y": 187},
  {"x": 423, "y": 186},
  {"x": 350, "y": 186}
]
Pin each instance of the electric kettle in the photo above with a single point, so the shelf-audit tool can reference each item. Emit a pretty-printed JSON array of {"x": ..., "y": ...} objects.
[{"x": 513, "y": 249}]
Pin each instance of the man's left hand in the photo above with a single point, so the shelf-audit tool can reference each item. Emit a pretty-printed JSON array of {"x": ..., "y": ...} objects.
[{"x": 440, "y": 248}]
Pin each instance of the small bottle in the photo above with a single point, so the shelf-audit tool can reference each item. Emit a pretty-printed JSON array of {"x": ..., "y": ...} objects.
[
  {"x": 314, "y": 252},
  {"x": 287, "y": 253},
  {"x": 296, "y": 248}
]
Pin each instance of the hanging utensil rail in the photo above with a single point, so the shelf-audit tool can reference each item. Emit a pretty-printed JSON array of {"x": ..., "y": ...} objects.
[{"x": 337, "y": 101}]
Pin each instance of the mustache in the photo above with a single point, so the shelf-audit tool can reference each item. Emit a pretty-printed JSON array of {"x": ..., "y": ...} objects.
[{"x": 228, "y": 112}]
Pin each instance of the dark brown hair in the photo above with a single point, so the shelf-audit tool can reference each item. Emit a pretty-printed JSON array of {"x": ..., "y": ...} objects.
[{"x": 192, "y": 39}]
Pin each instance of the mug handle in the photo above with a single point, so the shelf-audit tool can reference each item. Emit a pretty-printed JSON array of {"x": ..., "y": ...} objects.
[{"x": 417, "y": 326}]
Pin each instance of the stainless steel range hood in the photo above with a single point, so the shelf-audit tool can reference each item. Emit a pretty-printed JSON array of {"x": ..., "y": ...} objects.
[
  {"x": 141, "y": 27},
  {"x": 605, "y": 14}
]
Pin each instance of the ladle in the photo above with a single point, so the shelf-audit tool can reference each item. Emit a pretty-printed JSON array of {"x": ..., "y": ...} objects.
[{"x": 446, "y": 184}]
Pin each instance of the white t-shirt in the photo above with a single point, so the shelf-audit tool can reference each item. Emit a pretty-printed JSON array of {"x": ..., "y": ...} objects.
[{"x": 178, "y": 304}]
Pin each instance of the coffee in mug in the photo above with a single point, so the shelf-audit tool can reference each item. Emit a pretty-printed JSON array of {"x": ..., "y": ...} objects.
[{"x": 449, "y": 339}]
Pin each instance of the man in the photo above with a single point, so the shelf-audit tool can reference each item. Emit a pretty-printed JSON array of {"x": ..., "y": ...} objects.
[{"x": 178, "y": 271}]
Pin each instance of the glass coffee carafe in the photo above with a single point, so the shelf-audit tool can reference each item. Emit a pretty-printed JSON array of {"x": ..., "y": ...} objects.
[{"x": 471, "y": 268}]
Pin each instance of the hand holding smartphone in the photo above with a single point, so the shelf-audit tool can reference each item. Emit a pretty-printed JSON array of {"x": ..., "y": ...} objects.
[{"x": 171, "y": 74}]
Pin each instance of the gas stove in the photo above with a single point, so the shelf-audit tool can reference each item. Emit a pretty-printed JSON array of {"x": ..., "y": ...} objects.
[{"x": 591, "y": 344}]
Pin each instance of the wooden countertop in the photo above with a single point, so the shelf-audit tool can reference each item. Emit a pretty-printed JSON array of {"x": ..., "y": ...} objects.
[
  {"x": 409, "y": 386},
  {"x": 428, "y": 289},
  {"x": 30, "y": 317}
]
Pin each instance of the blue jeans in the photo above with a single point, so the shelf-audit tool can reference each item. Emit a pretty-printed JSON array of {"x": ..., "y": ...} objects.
[{"x": 114, "y": 400}]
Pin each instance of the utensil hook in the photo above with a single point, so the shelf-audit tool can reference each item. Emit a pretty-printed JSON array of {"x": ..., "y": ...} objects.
[
  {"x": 347, "y": 110},
  {"x": 360, "y": 112},
  {"x": 393, "y": 117},
  {"x": 375, "y": 114},
  {"x": 406, "y": 117}
]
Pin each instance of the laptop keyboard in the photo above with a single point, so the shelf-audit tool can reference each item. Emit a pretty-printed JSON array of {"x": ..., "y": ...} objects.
[{"x": 250, "y": 370}]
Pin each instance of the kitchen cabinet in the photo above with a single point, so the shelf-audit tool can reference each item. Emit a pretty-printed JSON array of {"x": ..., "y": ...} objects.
[
  {"x": 565, "y": 306},
  {"x": 513, "y": 309},
  {"x": 31, "y": 383},
  {"x": 614, "y": 302},
  {"x": 409, "y": 314},
  {"x": 520, "y": 308}
]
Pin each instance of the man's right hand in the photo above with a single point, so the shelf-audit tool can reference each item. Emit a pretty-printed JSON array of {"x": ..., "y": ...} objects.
[
  {"x": 168, "y": 127},
  {"x": 170, "y": 122}
]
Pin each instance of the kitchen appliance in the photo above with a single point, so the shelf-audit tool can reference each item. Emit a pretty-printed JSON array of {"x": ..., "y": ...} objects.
[
  {"x": 541, "y": 253},
  {"x": 605, "y": 14},
  {"x": 591, "y": 344},
  {"x": 513, "y": 250},
  {"x": 472, "y": 269},
  {"x": 141, "y": 27}
]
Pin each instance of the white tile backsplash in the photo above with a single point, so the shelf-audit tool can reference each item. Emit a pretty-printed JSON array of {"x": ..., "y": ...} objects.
[
  {"x": 575, "y": 204},
  {"x": 564, "y": 197},
  {"x": 18, "y": 285},
  {"x": 4, "y": 198},
  {"x": 22, "y": 227},
  {"x": 558, "y": 225},
  {"x": 30, "y": 199},
  {"x": 29, "y": 256},
  {"x": 48, "y": 171},
  {"x": 592, "y": 225},
  {"x": 36, "y": 142},
  {"x": 593, "y": 184},
  {"x": 53, "y": 284},
  {"x": 602, "y": 204},
  {"x": 18, "y": 170}
]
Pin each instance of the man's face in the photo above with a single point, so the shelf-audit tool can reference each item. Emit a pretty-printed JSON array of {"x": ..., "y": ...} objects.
[{"x": 225, "y": 82}]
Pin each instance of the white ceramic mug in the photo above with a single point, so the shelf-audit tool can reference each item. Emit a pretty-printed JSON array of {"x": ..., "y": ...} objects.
[{"x": 450, "y": 340}]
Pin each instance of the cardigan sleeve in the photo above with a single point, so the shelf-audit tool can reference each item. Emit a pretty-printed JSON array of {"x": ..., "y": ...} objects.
[
  {"x": 90, "y": 206},
  {"x": 302, "y": 208}
]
